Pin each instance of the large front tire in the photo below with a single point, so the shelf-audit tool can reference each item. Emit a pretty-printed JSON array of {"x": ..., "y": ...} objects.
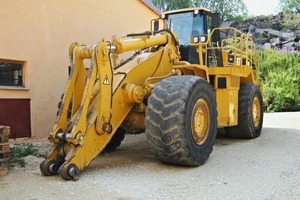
[
  {"x": 181, "y": 120},
  {"x": 250, "y": 113}
]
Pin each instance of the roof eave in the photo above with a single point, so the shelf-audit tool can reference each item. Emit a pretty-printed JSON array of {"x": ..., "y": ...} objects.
[{"x": 151, "y": 6}]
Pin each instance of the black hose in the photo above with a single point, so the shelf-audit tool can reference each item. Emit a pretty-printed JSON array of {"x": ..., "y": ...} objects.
[
  {"x": 139, "y": 34},
  {"x": 127, "y": 60},
  {"x": 148, "y": 33},
  {"x": 168, "y": 31}
]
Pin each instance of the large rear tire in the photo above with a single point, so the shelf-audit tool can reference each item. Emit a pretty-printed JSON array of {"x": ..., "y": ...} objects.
[
  {"x": 250, "y": 113},
  {"x": 181, "y": 120}
]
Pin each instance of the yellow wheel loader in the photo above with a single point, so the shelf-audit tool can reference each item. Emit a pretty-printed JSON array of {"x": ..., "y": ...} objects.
[{"x": 181, "y": 83}]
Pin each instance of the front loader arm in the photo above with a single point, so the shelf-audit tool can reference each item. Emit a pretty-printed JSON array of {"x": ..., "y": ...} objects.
[
  {"x": 105, "y": 74},
  {"x": 106, "y": 96}
]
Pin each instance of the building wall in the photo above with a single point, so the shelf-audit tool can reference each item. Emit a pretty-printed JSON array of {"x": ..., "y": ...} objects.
[{"x": 40, "y": 33}]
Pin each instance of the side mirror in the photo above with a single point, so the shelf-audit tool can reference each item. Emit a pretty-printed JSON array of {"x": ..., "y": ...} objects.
[
  {"x": 216, "y": 20},
  {"x": 156, "y": 25}
]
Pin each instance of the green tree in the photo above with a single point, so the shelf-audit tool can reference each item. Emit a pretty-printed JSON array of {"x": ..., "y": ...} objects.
[
  {"x": 229, "y": 9},
  {"x": 166, "y": 5},
  {"x": 288, "y": 6}
]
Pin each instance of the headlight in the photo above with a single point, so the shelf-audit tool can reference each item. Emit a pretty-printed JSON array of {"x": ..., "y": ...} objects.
[
  {"x": 199, "y": 39},
  {"x": 196, "y": 39},
  {"x": 202, "y": 39}
]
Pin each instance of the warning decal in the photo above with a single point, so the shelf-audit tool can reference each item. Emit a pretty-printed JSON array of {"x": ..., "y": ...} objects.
[{"x": 106, "y": 81}]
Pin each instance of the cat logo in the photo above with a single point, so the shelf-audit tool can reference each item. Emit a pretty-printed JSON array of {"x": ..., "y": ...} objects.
[{"x": 106, "y": 81}]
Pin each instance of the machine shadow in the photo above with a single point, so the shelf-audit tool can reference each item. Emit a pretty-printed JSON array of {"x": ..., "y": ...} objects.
[{"x": 134, "y": 151}]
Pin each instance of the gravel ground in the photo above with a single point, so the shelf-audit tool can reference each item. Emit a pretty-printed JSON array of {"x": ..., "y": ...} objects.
[{"x": 265, "y": 168}]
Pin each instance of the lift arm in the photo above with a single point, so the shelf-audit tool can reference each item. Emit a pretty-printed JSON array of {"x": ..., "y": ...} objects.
[{"x": 100, "y": 98}]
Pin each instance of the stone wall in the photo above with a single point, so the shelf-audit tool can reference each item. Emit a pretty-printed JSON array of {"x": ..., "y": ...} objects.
[{"x": 280, "y": 31}]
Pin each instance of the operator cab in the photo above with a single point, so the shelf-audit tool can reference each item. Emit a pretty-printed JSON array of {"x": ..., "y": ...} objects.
[{"x": 191, "y": 22}]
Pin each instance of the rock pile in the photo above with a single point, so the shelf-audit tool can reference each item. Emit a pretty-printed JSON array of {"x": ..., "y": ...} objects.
[{"x": 281, "y": 31}]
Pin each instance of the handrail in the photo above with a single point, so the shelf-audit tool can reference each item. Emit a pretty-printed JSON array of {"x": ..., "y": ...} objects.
[{"x": 240, "y": 45}]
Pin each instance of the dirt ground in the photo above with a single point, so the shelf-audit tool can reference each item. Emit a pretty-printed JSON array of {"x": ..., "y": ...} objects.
[{"x": 264, "y": 168}]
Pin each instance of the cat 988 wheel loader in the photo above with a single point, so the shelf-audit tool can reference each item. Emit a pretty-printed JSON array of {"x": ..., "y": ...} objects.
[{"x": 181, "y": 83}]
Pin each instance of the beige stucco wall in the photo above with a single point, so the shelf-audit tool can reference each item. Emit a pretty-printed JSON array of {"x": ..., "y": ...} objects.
[{"x": 40, "y": 33}]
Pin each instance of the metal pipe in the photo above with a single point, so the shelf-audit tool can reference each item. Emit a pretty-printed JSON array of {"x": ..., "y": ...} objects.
[
  {"x": 128, "y": 44},
  {"x": 85, "y": 52},
  {"x": 112, "y": 47},
  {"x": 62, "y": 136}
]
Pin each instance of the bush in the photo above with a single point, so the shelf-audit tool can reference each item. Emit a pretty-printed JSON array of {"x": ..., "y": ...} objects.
[
  {"x": 280, "y": 71},
  {"x": 19, "y": 151}
]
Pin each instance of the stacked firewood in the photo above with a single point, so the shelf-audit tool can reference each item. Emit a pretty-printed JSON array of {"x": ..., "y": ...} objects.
[{"x": 4, "y": 149}]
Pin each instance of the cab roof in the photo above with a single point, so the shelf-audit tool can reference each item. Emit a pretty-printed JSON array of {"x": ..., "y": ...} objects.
[{"x": 186, "y": 10}]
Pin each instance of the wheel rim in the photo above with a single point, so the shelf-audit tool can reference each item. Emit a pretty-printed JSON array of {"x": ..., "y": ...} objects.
[
  {"x": 200, "y": 121},
  {"x": 256, "y": 112}
]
